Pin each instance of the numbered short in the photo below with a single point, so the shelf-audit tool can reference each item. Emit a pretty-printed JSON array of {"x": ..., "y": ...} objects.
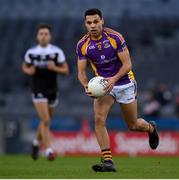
[
  {"x": 125, "y": 94},
  {"x": 51, "y": 98}
]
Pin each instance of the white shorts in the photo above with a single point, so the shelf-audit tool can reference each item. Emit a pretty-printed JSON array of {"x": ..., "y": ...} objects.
[{"x": 125, "y": 94}]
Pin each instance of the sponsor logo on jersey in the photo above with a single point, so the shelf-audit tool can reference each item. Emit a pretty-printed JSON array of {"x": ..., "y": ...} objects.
[
  {"x": 91, "y": 47},
  {"x": 40, "y": 64}
]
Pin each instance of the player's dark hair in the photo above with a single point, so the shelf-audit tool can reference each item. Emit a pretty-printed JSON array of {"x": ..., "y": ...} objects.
[
  {"x": 93, "y": 11},
  {"x": 44, "y": 26}
]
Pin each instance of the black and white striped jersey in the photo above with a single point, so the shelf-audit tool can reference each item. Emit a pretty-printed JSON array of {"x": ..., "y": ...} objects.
[{"x": 44, "y": 80}]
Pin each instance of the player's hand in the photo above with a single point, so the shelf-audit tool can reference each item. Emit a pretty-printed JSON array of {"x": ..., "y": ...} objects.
[
  {"x": 110, "y": 84},
  {"x": 88, "y": 93},
  {"x": 51, "y": 65},
  {"x": 31, "y": 70}
]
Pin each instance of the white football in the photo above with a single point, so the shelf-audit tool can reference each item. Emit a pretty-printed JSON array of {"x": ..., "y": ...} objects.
[{"x": 96, "y": 86}]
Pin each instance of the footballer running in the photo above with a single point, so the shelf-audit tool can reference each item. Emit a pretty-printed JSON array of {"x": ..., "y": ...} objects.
[
  {"x": 109, "y": 57},
  {"x": 42, "y": 63}
]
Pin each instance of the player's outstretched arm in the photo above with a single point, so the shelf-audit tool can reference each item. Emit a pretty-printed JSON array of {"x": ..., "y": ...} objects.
[{"x": 28, "y": 69}]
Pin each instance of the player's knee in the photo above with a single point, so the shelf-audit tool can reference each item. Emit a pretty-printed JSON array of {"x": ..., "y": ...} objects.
[
  {"x": 46, "y": 122},
  {"x": 99, "y": 120}
]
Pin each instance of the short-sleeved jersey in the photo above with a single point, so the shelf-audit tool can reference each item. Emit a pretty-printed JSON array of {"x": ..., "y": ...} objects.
[
  {"x": 44, "y": 80},
  {"x": 103, "y": 54}
]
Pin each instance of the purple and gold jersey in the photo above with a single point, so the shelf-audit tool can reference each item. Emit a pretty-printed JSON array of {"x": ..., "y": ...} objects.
[{"x": 102, "y": 54}]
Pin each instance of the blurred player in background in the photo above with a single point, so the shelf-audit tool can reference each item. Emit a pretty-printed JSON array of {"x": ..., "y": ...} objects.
[
  {"x": 43, "y": 62},
  {"x": 109, "y": 57}
]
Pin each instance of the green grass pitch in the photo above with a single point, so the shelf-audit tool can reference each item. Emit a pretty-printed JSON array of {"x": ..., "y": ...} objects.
[{"x": 21, "y": 166}]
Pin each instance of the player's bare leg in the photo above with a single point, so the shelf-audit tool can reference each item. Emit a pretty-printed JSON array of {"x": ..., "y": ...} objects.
[
  {"x": 44, "y": 127},
  {"x": 102, "y": 107},
  {"x": 38, "y": 134},
  {"x": 51, "y": 110},
  {"x": 42, "y": 110},
  {"x": 51, "y": 156},
  {"x": 139, "y": 124}
]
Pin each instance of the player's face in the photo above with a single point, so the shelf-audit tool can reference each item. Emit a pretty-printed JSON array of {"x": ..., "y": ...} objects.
[
  {"x": 94, "y": 25},
  {"x": 43, "y": 36}
]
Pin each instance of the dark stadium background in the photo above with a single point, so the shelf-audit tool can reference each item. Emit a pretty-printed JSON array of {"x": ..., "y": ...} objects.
[{"x": 151, "y": 30}]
